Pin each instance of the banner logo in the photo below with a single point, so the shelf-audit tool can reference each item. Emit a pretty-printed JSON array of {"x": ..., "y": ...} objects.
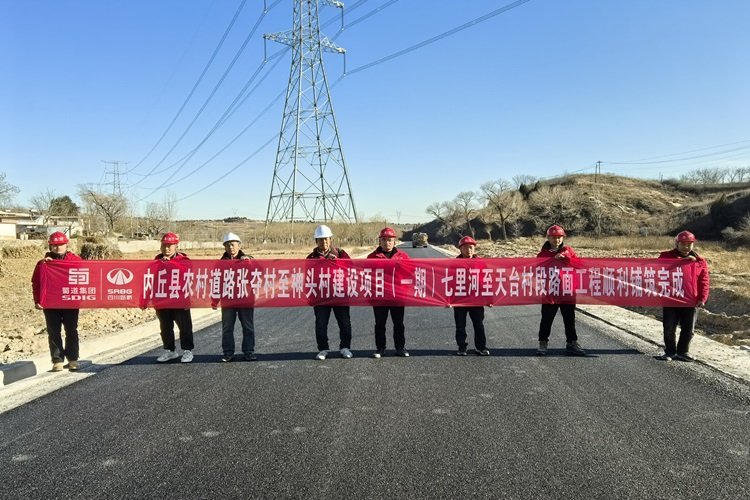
[{"x": 120, "y": 276}]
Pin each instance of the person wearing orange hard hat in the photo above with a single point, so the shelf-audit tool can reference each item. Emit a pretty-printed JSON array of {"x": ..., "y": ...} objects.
[
  {"x": 168, "y": 317},
  {"x": 467, "y": 246},
  {"x": 57, "y": 319},
  {"x": 684, "y": 316},
  {"x": 555, "y": 248},
  {"x": 387, "y": 250}
]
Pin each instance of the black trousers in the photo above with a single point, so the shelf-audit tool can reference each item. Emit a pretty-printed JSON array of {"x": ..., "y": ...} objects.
[
  {"x": 167, "y": 319},
  {"x": 397, "y": 317},
  {"x": 322, "y": 315},
  {"x": 685, "y": 317},
  {"x": 56, "y": 319},
  {"x": 549, "y": 311},
  {"x": 477, "y": 320}
]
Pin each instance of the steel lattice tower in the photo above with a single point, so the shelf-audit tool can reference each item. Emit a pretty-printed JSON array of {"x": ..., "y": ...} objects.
[{"x": 310, "y": 180}]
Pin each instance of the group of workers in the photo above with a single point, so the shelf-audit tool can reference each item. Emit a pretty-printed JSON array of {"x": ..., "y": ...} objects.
[{"x": 554, "y": 247}]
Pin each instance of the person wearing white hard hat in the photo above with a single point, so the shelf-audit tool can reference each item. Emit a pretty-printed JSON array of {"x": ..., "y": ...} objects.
[
  {"x": 56, "y": 319},
  {"x": 324, "y": 249},
  {"x": 555, "y": 248},
  {"x": 467, "y": 246},
  {"x": 229, "y": 315},
  {"x": 169, "y": 316},
  {"x": 684, "y": 316},
  {"x": 387, "y": 250}
]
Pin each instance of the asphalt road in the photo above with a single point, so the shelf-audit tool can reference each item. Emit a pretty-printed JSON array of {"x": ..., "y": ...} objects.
[{"x": 614, "y": 424}]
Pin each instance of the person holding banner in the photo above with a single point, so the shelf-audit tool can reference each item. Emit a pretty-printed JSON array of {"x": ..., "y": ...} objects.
[
  {"x": 56, "y": 319},
  {"x": 387, "y": 250},
  {"x": 168, "y": 317},
  {"x": 555, "y": 248},
  {"x": 467, "y": 245},
  {"x": 325, "y": 250},
  {"x": 233, "y": 251},
  {"x": 684, "y": 316}
]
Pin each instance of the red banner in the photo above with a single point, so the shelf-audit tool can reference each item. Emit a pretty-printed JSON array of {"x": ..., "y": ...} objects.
[{"x": 366, "y": 282}]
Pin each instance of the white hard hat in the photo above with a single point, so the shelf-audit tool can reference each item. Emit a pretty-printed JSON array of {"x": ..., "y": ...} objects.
[
  {"x": 232, "y": 237},
  {"x": 323, "y": 232}
]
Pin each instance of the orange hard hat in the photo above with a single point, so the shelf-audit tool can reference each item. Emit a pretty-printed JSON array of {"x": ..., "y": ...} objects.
[
  {"x": 170, "y": 239},
  {"x": 466, "y": 240},
  {"x": 685, "y": 236},
  {"x": 387, "y": 232},
  {"x": 555, "y": 231},
  {"x": 58, "y": 238}
]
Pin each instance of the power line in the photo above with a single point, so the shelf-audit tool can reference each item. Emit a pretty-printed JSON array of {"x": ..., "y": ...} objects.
[
  {"x": 471, "y": 23},
  {"x": 215, "y": 89},
  {"x": 195, "y": 86}
]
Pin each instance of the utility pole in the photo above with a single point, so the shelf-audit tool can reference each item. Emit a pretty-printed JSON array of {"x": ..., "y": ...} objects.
[
  {"x": 310, "y": 180},
  {"x": 597, "y": 171},
  {"x": 114, "y": 174}
]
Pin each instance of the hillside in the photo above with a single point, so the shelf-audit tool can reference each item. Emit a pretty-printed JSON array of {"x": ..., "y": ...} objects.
[{"x": 605, "y": 205}]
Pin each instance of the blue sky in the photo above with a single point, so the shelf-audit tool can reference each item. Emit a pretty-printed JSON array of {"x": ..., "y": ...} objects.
[{"x": 546, "y": 88}]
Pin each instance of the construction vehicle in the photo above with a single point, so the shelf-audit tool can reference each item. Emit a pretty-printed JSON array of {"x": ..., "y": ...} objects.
[{"x": 419, "y": 240}]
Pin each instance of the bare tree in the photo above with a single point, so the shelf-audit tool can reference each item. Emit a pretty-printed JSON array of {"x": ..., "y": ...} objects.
[
  {"x": 7, "y": 191},
  {"x": 110, "y": 207},
  {"x": 465, "y": 203},
  {"x": 504, "y": 204},
  {"x": 521, "y": 179},
  {"x": 42, "y": 203}
]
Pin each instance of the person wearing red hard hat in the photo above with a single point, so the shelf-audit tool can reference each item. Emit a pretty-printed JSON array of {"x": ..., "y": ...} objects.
[
  {"x": 57, "y": 319},
  {"x": 467, "y": 246},
  {"x": 684, "y": 316},
  {"x": 324, "y": 249},
  {"x": 387, "y": 250},
  {"x": 168, "y": 317},
  {"x": 554, "y": 248},
  {"x": 233, "y": 251}
]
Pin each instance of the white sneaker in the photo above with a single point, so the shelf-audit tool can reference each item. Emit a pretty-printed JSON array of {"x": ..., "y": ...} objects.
[
  {"x": 322, "y": 355},
  {"x": 346, "y": 353},
  {"x": 167, "y": 356},
  {"x": 187, "y": 356}
]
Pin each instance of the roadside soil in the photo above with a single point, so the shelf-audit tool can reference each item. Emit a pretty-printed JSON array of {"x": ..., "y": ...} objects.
[{"x": 23, "y": 333}]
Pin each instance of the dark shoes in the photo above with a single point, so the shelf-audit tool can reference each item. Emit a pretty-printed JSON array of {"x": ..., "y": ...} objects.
[
  {"x": 379, "y": 353},
  {"x": 684, "y": 357},
  {"x": 574, "y": 348},
  {"x": 227, "y": 358},
  {"x": 461, "y": 351},
  {"x": 483, "y": 352},
  {"x": 250, "y": 356},
  {"x": 403, "y": 353}
]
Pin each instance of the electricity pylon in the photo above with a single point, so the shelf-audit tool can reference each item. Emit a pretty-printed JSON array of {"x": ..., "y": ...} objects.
[{"x": 310, "y": 180}]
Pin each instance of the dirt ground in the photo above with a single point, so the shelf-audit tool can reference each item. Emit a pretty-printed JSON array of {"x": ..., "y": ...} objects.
[{"x": 23, "y": 333}]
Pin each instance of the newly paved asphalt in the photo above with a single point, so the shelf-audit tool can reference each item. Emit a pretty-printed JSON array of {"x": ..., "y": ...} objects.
[{"x": 614, "y": 424}]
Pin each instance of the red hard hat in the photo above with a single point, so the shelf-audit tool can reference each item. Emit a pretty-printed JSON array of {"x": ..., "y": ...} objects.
[
  {"x": 555, "y": 231},
  {"x": 685, "y": 236},
  {"x": 58, "y": 238},
  {"x": 466, "y": 240},
  {"x": 170, "y": 239},
  {"x": 387, "y": 232}
]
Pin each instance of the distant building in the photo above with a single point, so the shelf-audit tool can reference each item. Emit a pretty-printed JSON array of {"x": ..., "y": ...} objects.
[{"x": 31, "y": 225}]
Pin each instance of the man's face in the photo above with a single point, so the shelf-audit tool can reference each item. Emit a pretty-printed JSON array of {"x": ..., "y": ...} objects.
[
  {"x": 467, "y": 250},
  {"x": 324, "y": 244},
  {"x": 232, "y": 248},
  {"x": 555, "y": 241},
  {"x": 168, "y": 250},
  {"x": 58, "y": 249},
  {"x": 387, "y": 244},
  {"x": 684, "y": 247}
]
